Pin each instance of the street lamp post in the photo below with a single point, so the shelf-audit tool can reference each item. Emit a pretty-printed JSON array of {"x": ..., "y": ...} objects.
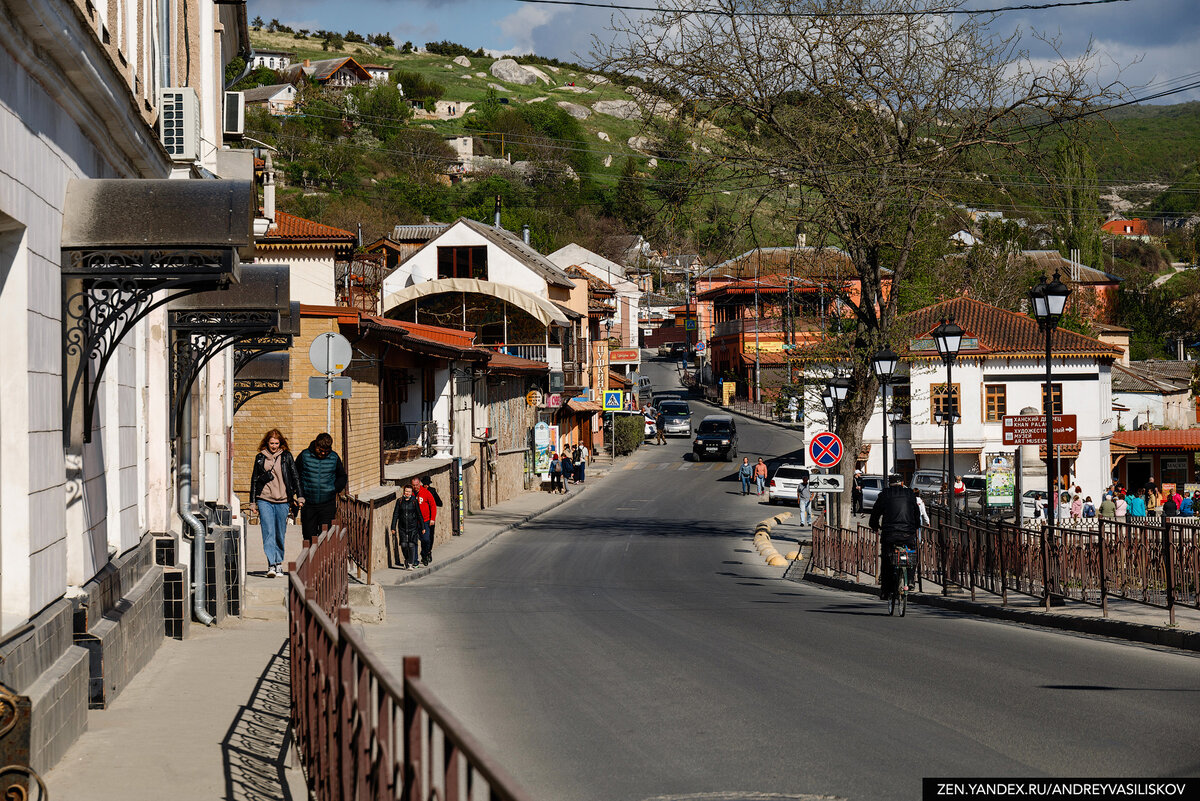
[
  {"x": 884, "y": 363},
  {"x": 1048, "y": 299},
  {"x": 948, "y": 338},
  {"x": 895, "y": 417}
]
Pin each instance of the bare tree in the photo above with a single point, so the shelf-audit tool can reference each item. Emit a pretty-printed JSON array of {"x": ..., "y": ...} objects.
[{"x": 872, "y": 112}]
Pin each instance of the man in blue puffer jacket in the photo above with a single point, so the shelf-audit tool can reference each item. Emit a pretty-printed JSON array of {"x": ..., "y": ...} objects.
[{"x": 322, "y": 477}]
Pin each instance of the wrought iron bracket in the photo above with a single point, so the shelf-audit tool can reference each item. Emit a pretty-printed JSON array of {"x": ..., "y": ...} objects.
[
  {"x": 198, "y": 336},
  {"x": 104, "y": 295},
  {"x": 251, "y": 348},
  {"x": 246, "y": 389}
]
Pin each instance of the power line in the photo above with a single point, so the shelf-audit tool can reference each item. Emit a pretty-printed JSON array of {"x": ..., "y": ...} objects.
[{"x": 826, "y": 14}]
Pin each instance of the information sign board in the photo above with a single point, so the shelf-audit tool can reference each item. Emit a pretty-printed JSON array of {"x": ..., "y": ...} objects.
[
  {"x": 827, "y": 482},
  {"x": 1030, "y": 429}
]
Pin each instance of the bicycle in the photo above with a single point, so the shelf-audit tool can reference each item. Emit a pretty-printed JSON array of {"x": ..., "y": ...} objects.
[{"x": 903, "y": 560}]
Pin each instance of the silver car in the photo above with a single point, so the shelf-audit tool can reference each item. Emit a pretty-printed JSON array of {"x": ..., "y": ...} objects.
[
  {"x": 871, "y": 487},
  {"x": 677, "y": 418}
]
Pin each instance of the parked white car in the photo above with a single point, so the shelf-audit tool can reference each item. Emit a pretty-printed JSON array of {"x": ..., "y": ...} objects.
[{"x": 785, "y": 484}]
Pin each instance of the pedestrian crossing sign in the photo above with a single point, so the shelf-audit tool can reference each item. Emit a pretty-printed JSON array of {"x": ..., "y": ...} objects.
[{"x": 614, "y": 401}]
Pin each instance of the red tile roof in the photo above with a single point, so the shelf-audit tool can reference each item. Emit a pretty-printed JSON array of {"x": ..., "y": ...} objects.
[
  {"x": 504, "y": 363},
  {"x": 997, "y": 331},
  {"x": 290, "y": 228},
  {"x": 1187, "y": 439},
  {"x": 436, "y": 333},
  {"x": 1126, "y": 227}
]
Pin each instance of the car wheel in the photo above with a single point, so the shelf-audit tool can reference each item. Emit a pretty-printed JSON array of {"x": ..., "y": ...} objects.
[{"x": 772, "y": 501}]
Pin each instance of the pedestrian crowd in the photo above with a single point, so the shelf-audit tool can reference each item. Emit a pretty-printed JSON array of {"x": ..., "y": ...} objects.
[
  {"x": 1119, "y": 503},
  {"x": 568, "y": 467}
]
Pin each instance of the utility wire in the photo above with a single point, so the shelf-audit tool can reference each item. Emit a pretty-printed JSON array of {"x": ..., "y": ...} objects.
[{"x": 825, "y": 14}]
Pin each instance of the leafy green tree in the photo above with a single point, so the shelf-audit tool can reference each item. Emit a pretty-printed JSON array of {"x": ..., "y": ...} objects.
[
  {"x": 234, "y": 68},
  {"x": 417, "y": 87},
  {"x": 1075, "y": 196},
  {"x": 259, "y": 76},
  {"x": 381, "y": 110},
  {"x": 407, "y": 48},
  {"x": 257, "y": 23},
  {"x": 629, "y": 202}
]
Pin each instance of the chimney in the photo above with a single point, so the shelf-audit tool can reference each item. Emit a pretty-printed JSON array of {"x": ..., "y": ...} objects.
[
  {"x": 497, "y": 211},
  {"x": 307, "y": 63},
  {"x": 525, "y": 233},
  {"x": 269, "y": 191}
]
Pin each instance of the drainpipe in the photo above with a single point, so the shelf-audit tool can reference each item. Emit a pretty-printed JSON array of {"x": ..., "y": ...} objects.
[{"x": 190, "y": 520}]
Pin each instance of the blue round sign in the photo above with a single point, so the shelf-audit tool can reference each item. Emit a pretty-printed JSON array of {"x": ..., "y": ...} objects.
[{"x": 825, "y": 450}]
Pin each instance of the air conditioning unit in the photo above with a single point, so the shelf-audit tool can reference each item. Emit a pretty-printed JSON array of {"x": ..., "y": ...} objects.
[
  {"x": 235, "y": 115},
  {"x": 179, "y": 122}
]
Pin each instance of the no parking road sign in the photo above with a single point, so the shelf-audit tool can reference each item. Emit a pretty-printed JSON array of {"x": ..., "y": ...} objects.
[{"x": 825, "y": 450}]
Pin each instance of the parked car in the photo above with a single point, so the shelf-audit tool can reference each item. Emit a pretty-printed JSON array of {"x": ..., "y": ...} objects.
[
  {"x": 664, "y": 351},
  {"x": 929, "y": 482},
  {"x": 716, "y": 436},
  {"x": 871, "y": 487},
  {"x": 785, "y": 484},
  {"x": 677, "y": 417}
]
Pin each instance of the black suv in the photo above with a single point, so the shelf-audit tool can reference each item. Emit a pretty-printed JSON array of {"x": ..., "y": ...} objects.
[{"x": 716, "y": 436}]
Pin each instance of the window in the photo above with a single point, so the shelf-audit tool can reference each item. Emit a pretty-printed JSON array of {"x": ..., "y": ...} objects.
[
  {"x": 463, "y": 262},
  {"x": 995, "y": 400},
  {"x": 940, "y": 400},
  {"x": 1056, "y": 396},
  {"x": 1174, "y": 470},
  {"x": 901, "y": 401}
]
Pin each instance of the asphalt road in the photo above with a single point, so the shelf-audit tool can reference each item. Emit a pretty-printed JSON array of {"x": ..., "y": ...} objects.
[{"x": 631, "y": 644}]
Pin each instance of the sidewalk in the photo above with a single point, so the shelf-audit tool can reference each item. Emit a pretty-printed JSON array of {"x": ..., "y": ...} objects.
[
  {"x": 208, "y": 718},
  {"x": 1127, "y": 620}
]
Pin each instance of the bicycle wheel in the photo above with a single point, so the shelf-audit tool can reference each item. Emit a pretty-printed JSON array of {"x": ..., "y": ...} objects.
[
  {"x": 892, "y": 604},
  {"x": 902, "y": 589}
]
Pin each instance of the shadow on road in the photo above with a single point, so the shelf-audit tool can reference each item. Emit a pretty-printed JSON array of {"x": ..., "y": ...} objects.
[{"x": 255, "y": 747}]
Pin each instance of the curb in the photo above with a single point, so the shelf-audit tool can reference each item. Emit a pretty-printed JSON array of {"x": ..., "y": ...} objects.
[
  {"x": 766, "y": 549},
  {"x": 413, "y": 575},
  {"x": 1102, "y": 627}
]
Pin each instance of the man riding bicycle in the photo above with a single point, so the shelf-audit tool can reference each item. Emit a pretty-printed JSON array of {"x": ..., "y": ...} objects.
[{"x": 896, "y": 513}]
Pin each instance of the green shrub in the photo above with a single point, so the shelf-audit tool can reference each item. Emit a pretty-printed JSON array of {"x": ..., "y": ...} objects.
[{"x": 631, "y": 432}]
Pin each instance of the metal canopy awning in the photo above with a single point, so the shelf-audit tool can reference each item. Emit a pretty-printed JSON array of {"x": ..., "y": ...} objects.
[
  {"x": 128, "y": 246},
  {"x": 159, "y": 216},
  {"x": 204, "y": 324},
  {"x": 265, "y": 373}
]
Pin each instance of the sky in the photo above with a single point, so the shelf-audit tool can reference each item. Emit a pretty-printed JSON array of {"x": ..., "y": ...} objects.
[{"x": 1154, "y": 41}]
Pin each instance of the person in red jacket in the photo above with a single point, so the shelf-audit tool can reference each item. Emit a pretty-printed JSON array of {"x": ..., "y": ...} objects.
[{"x": 429, "y": 515}]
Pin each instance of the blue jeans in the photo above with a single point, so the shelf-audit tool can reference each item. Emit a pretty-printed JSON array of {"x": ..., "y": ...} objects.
[
  {"x": 745, "y": 483},
  {"x": 805, "y": 515},
  {"x": 761, "y": 482},
  {"x": 272, "y": 519}
]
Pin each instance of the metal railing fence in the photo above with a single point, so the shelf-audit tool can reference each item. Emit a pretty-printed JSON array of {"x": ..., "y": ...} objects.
[
  {"x": 362, "y": 539},
  {"x": 361, "y": 733},
  {"x": 1152, "y": 561}
]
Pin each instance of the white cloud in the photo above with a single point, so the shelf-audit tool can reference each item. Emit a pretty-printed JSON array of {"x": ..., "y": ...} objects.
[{"x": 519, "y": 27}]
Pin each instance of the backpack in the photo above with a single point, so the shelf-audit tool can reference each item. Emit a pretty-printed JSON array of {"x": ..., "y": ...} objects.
[
  {"x": 437, "y": 499},
  {"x": 1089, "y": 510}
]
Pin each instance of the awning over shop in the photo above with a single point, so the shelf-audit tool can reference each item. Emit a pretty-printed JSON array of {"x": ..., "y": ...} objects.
[
  {"x": 543, "y": 311},
  {"x": 583, "y": 407},
  {"x": 1062, "y": 451}
]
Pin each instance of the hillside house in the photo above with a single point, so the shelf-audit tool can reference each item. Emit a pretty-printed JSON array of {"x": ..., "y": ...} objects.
[
  {"x": 278, "y": 60},
  {"x": 334, "y": 73},
  {"x": 276, "y": 99},
  {"x": 1128, "y": 229}
]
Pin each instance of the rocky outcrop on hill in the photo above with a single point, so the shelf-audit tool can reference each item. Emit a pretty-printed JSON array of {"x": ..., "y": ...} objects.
[
  {"x": 463, "y": 61},
  {"x": 508, "y": 70},
  {"x": 623, "y": 109},
  {"x": 575, "y": 110}
]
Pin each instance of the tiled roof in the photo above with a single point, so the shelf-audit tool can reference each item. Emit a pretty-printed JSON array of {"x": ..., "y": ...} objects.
[
  {"x": 436, "y": 333},
  {"x": 1000, "y": 332},
  {"x": 1186, "y": 439},
  {"x": 1152, "y": 377},
  {"x": 1165, "y": 369},
  {"x": 323, "y": 69},
  {"x": 260, "y": 93},
  {"x": 805, "y": 261},
  {"x": 418, "y": 233},
  {"x": 618, "y": 380},
  {"x": 1128, "y": 381},
  {"x": 448, "y": 343},
  {"x": 504, "y": 363},
  {"x": 1126, "y": 227},
  {"x": 595, "y": 285},
  {"x": 517, "y": 248},
  {"x": 290, "y": 228}
]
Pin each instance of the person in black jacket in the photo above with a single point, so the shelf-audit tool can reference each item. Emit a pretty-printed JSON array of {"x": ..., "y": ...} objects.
[
  {"x": 897, "y": 518},
  {"x": 407, "y": 524},
  {"x": 275, "y": 489},
  {"x": 322, "y": 477}
]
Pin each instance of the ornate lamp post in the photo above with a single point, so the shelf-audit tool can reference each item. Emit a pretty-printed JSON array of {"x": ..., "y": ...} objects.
[
  {"x": 895, "y": 417},
  {"x": 1048, "y": 299},
  {"x": 884, "y": 363},
  {"x": 948, "y": 338}
]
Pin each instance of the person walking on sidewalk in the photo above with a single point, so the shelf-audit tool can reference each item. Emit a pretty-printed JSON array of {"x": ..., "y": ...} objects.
[
  {"x": 275, "y": 490},
  {"x": 568, "y": 470},
  {"x": 897, "y": 518},
  {"x": 428, "y": 505},
  {"x": 660, "y": 428},
  {"x": 803, "y": 500},
  {"x": 1108, "y": 507},
  {"x": 322, "y": 477},
  {"x": 556, "y": 484},
  {"x": 407, "y": 526},
  {"x": 856, "y": 495},
  {"x": 581, "y": 457},
  {"x": 760, "y": 476},
  {"x": 745, "y": 473}
]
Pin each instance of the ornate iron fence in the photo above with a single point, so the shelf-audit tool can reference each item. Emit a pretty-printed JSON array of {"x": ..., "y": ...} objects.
[
  {"x": 1147, "y": 560},
  {"x": 361, "y": 733}
]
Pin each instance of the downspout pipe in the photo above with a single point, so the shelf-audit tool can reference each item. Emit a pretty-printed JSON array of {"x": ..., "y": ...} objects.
[{"x": 190, "y": 520}]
